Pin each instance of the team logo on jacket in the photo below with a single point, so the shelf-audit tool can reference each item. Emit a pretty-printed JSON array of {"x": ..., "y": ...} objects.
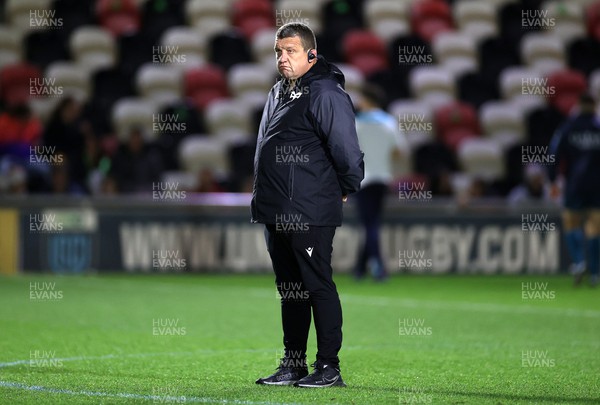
[{"x": 295, "y": 94}]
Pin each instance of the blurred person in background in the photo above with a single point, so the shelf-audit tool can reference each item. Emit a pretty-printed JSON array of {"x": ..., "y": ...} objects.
[
  {"x": 19, "y": 130},
  {"x": 533, "y": 187},
  {"x": 576, "y": 150},
  {"x": 381, "y": 141},
  {"x": 207, "y": 183},
  {"x": 309, "y": 115},
  {"x": 70, "y": 134},
  {"x": 136, "y": 166}
]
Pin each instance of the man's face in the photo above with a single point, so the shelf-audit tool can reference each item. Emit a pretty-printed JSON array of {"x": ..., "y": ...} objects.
[{"x": 292, "y": 58}]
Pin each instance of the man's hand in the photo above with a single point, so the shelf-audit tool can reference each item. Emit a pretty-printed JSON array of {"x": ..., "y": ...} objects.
[{"x": 344, "y": 198}]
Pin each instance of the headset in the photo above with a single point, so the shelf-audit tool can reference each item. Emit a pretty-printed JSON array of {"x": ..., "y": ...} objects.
[{"x": 311, "y": 55}]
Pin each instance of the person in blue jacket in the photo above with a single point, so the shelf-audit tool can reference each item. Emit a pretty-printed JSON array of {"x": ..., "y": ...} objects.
[
  {"x": 307, "y": 162},
  {"x": 576, "y": 149}
]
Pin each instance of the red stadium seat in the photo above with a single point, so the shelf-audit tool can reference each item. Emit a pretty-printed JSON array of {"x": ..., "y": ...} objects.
[
  {"x": 430, "y": 17},
  {"x": 365, "y": 50},
  {"x": 456, "y": 122},
  {"x": 568, "y": 85},
  {"x": 118, "y": 16},
  {"x": 251, "y": 16},
  {"x": 15, "y": 85},
  {"x": 204, "y": 85},
  {"x": 592, "y": 17}
]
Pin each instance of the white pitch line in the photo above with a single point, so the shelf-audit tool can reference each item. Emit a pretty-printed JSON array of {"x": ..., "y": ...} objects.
[{"x": 125, "y": 395}]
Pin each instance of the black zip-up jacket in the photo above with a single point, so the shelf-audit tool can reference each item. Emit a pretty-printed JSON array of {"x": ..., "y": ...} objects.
[{"x": 307, "y": 153}]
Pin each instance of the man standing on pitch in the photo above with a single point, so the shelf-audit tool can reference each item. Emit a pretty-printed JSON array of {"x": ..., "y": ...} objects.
[{"x": 307, "y": 161}]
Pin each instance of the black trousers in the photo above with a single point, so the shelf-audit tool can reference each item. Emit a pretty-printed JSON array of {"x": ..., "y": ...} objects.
[{"x": 303, "y": 275}]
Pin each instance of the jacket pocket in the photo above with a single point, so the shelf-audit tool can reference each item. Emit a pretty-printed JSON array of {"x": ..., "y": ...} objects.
[{"x": 291, "y": 183}]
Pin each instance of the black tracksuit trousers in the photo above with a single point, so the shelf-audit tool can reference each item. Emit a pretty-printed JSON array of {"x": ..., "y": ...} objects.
[{"x": 303, "y": 275}]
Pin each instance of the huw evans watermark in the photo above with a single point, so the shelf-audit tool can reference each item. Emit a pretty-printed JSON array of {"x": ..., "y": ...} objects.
[
  {"x": 168, "y": 327},
  {"x": 536, "y": 358},
  {"x": 44, "y": 19},
  {"x": 285, "y": 16},
  {"x": 167, "y": 54},
  {"x": 291, "y": 291},
  {"x": 537, "y": 223},
  {"x": 537, "y": 19},
  {"x": 168, "y": 191},
  {"x": 413, "y": 327},
  {"x": 294, "y": 358},
  {"x": 414, "y": 395},
  {"x": 414, "y": 260},
  {"x": 44, "y": 358},
  {"x": 291, "y": 223},
  {"x": 44, "y": 291},
  {"x": 45, "y": 155},
  {"x": 168, "y": 123},
  {"x": 45, "y": 87},
  {"x": 414, "y": 55},
  {"x": 45, "y": 223},
  {"x": 537, "y": 154},
  {"x": 537, "y": 291},
  {"x": 413, "y": 191},
  {"x": 167, "y": 395},
  {"x": 413, "y": 123},
  {"x": 164, "y": 260}
]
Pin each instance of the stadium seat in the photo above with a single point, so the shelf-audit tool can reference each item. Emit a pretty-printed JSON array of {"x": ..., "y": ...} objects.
[
  {"x": 204, "y": 85},
  {"x": 10, "y": 46},
  {"x": 72, "y": 78},
  {"x": 522, "y": 81},
  {"x": 162, "y": 84},
  {"x": 339, "y": 17},
  {"x": 394, "y": 82},
  {"x": 568, "y": 19},
  {"x": 228, "y": 49},
  {"x": 432, "y": 85},
  {"x": 251, "y": 16},
  {"x": 387, "y": 18},
  {"x": 197, "y": 152},
  {"x": 73, "y": 14},
  {"x": 592, "y": 15},
  {"x": 251, "y": 81},
  {"x": 135, "y": 50},
  {"x": 15, "y": 82},
  {"x": 584, "y": 55},
  {"x": 208, "y": 16},
  {"x": 307, "y": 12},
  {"x": 476, "y": 89},
  {"x": 187, "y": 45},
  {"x": 456, "y": 52},
  {"x": 407, "y": 51},
  {"x": 130, "y": 113},
  {"x": 415, "y": 120},
  {"x": 475, "y": 17},
  {"x": 184, "y": 181},
  {"x": 18, "y": 13},
  {"x": 428, "y": 18},
  {"x": 364, "y": 50},
  {"x": 93, "y": 47},
  {"x": 503, "y": 122},
  {"x": 495, "y": 55},
  {"x": 433, "y": 158},
  {"x": 482, "y": 158},
  {"x": 160, "y": 15},
  {"x": 262, "y": 47},
  {"x": 228, "y": 119},
  {"x": 540, "y": 48},
  {"x": 118, "y": 16},
  {"x": 43, "y": 47},
  {"x": 568, "y": 85},
  {"x": 455, "y": 122},
  {"x": 354, "y": 79}
]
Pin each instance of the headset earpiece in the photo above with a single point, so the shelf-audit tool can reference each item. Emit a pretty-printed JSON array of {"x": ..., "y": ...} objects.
[{"x": 311, "y": 55}]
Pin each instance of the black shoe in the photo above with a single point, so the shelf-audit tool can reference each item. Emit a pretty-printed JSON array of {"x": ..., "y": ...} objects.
[
  {"x": 324, "y": 376},
  {"x": 287, "y": 373}
]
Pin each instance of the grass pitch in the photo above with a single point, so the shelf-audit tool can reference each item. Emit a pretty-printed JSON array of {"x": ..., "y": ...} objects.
[{"x": 204, "y": 339}]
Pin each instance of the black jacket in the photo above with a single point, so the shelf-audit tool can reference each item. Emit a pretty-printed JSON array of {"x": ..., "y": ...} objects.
[{"x": 307, "y": 155}]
